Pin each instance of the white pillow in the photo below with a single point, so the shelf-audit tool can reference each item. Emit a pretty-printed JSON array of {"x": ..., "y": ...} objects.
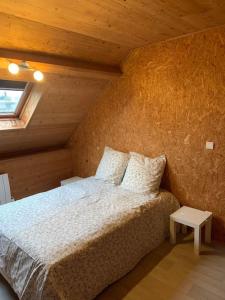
[
  {"x": 143, "y": 174},
  {"x": 112, "y": 166}
]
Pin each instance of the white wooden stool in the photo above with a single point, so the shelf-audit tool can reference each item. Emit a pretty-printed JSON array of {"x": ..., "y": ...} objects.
[{"x": 194, "y": 218}]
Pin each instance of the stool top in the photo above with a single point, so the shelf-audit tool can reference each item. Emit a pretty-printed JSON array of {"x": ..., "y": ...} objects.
[{"x": 190, "y": 216}]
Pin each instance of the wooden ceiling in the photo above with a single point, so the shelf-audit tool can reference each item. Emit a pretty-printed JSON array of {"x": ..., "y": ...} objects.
[
  {"x": 71, "y": 40},
  {"x": 101, "y": 31}
]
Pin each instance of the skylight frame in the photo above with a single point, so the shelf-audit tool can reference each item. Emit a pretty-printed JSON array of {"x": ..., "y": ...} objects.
[{"x": 21, "y": 104}]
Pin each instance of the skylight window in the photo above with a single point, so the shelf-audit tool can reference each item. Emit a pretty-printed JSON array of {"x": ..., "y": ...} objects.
[{"x": 13, "y": 95}]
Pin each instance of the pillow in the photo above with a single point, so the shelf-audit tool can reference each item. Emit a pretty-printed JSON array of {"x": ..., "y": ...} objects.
[
  {"x": 143, "y": 174},
  {"x": 112, "y": 166}
]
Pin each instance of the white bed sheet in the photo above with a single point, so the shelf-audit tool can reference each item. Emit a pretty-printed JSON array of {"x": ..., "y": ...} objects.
[{"x": 71, "y": 242}]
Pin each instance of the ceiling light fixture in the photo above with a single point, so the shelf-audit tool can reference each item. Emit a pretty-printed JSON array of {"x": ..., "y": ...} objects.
[
  {"x": 38, "y": 75},
  {"x": 13, "y": 68}
]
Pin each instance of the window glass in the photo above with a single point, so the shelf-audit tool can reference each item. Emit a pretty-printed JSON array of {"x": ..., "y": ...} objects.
[{"x": 11, "y": 94}]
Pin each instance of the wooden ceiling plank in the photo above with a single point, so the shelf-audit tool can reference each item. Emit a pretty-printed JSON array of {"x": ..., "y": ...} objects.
[
  {"x": 84, "y": 17},
  {"x": 129, "y": 23},
  {"x": 26, "y": 35}
]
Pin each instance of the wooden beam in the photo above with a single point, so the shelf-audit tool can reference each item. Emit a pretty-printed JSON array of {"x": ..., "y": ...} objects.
[{"x": 63, "y": 65}]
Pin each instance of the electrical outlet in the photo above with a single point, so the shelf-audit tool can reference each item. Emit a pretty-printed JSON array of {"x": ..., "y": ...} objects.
[{"x": 209, "y": 145}]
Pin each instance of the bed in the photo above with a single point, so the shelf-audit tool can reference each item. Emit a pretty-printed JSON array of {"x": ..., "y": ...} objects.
[{"x": 73, "y": 241}]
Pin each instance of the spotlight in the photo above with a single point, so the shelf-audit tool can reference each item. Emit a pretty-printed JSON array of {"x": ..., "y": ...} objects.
[
  {"x": 38, "y": 75},
  {"x": 13, "y": 68}
]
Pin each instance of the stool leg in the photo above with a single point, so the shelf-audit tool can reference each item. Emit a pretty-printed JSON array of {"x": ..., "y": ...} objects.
[
  {"x": 178, "y": 227},
  {"x": 208, "y": 228},
  {"x": 184, "y": 229},
  {"x": 172, "y": 232},
  {"x": 197, "y": 240}
]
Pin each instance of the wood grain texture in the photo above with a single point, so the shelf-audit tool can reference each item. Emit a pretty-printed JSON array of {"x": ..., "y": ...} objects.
[
  {"x": 170, "y": 100},
  {"x": 127, "y": 23},
  {"x": 37, "y": 173},
  {"x": 173, "y": 273},
  {"x": 22, "y": 34},
  {"x": 101, "y": 31},
  {"x": 64, "y": 102}
]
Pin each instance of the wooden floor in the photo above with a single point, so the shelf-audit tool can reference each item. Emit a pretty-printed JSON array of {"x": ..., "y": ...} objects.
[{"x": 167, "y": 273}]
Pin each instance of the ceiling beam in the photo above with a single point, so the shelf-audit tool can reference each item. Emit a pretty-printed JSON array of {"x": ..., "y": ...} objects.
[{"x": 63, "y": 65}]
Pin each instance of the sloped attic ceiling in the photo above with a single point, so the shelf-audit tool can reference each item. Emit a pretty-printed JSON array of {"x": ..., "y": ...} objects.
[
  {"x": 95, "y": 36},
  {"x": 63, "y": 103}
]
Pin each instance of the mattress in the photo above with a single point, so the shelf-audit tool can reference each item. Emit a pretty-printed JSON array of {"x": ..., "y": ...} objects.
[{"x": 73, "y": 241}]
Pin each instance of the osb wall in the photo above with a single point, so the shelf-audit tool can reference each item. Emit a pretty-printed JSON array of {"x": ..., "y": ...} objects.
[
  {"x": 170, "y": 100},
  {"x": 37, "y": 173}
]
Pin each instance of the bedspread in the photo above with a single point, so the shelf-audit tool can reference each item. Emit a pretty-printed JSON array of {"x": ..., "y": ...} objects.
[{"x": 73, "y": 241}]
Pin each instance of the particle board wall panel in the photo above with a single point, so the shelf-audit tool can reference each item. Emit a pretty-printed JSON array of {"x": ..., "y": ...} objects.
[
  {"x": 35, "y": 173},
  {"x": 171, "y": 99}
]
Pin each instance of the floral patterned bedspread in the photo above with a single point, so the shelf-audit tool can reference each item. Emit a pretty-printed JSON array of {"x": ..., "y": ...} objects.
[{"x": 73, "y": 241}]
